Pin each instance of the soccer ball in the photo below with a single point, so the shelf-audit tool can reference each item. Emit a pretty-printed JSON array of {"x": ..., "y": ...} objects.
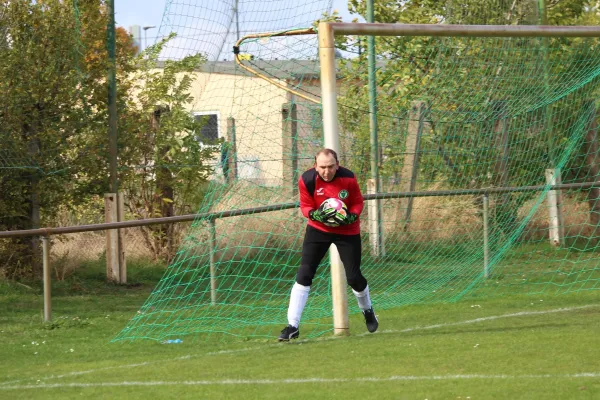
[{"x": 341, "y": 211}]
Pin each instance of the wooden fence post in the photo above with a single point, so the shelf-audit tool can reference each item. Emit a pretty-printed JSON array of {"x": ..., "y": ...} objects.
[
  {"x": 112, "y": 238},
  {"x": 121, "y": 234},
  {"x": 232, "y": 158}
]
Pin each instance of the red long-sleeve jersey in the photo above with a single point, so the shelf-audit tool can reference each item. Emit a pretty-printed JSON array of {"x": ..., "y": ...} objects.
[{"x": 343, "y": 186}]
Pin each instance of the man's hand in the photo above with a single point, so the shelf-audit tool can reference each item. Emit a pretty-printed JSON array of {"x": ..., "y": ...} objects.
[
  {"x": 346, "y": 220},
  {"x": 317, "y": 215},
  {"x": 323, "y": 216},
  {"x": 351, "y": 218}
]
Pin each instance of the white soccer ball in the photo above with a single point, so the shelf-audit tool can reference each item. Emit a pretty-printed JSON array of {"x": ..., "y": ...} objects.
[{"x": 341, "y": 211}]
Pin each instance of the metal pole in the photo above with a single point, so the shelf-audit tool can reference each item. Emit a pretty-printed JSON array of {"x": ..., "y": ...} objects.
[
  {"x": 112, "y": 97},
  {"x": 286, "y": 206},
  {"x": 542, "y": 14},
  {"x": 486, "y": 233},
  {"x": 372, "y": 97},
  {"x": 47, "y": 279},
  {"x": 373, "y": 128},
  {"x": 543, "y": 20},
  {"x": 339, "y": 296},
  {"x": 213, "y": 262}
]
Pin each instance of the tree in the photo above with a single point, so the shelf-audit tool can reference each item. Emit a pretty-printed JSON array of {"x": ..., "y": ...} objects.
[
  {"x": 163, "y": 159},
  {"x": 408, "y": 64},
  {"x": 39, "y": 114},
  {"x": 465, "y": 121},
  {"x": 54, "y": 130},
  {"x": 53, "y": 109}
]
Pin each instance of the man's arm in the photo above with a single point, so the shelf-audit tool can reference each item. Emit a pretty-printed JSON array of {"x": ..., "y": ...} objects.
[
  {"x": 307, "y": 203},
  {"x": 356, "y": 201}
]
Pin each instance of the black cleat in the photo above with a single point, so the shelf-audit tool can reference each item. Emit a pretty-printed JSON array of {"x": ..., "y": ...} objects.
[
  {"x": 288, "y": 333},
  {"x": 371, "y": 320}
]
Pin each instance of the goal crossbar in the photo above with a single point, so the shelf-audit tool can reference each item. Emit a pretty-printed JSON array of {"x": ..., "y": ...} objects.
[
  {"x": 326, "y": 33},
  {"x": 328, "y": 30},
  {"x": 379, "y": 29}
]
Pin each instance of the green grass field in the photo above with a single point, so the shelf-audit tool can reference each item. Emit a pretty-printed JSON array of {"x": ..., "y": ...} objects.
[{"x": 517, "y": 347}]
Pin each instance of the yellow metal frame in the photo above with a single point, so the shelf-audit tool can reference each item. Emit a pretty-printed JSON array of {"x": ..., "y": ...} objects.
[{"x": 239, "y": 57}]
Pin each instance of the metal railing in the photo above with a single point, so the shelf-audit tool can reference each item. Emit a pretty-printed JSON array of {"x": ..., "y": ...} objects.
[
  {"x": 45, "y": 233},
  {"x": 285, "y": 206}
]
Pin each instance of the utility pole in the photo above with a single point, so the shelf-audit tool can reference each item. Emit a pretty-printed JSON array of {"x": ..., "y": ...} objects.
[
  {"x": 115, "y": 258},
  {"x": 112, "y": 97}
]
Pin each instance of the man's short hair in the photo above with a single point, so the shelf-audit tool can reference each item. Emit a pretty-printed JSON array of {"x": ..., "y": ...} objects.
[{"x": 327, "y": 152}]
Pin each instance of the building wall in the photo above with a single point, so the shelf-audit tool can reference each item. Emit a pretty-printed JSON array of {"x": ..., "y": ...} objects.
[
  {"x": 256, "y": 106},
  {"x": 310, "y": 124}
]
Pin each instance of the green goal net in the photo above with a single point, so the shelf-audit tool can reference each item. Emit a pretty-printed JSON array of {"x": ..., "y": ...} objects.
[{"x": 456, "y": 117}]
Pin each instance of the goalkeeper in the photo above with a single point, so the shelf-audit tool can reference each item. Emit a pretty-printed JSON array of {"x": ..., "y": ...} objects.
[{"x": 326, "y": 180}]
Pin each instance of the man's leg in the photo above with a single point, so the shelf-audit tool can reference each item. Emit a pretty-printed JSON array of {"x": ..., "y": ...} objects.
[
  {"x": 350, "y": 251},
  {"x": 298, "y": 299},
  {"x": 314, "y": 248}
]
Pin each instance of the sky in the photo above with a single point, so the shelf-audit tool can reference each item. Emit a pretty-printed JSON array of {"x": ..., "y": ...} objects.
[{"x": 150, "y": 13}]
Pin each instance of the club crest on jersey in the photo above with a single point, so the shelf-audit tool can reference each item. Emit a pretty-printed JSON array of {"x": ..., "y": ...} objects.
[
  {"x": 343, "y": 194},
  {"x": 320, "y": 192}
]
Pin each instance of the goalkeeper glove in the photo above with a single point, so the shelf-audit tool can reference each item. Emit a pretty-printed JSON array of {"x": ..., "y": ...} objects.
[
  {"x": 345, "y": 219},
  {"x": 348, "y": 219},
  {"x": 316, "y": 215}
]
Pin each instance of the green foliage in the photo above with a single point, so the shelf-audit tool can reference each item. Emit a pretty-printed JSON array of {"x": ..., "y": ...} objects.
[
  {"x": 40, "y": 116},
  {"x": 495, "y": 112},
  {"x": 164, "y": 164},
  {"x": 473, "y": 90},
  {"x": 41, "y": 112},
  {"x": 54, "y": 125},
  {"x": 54, "y": 114}
]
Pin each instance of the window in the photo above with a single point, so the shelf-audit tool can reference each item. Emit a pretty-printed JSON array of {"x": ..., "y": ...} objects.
[{"x": 210, "y": 128}]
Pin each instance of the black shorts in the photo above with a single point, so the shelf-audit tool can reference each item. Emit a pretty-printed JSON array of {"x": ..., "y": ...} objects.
[{"x": 315, "y": 246}]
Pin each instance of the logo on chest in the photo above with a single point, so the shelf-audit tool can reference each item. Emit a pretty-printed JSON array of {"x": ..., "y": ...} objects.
[
  {"x": 320, "y": 192},
  {"x": 343, "y": 194}
]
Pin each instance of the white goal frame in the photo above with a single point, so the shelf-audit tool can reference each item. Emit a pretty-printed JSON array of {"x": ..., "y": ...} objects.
[{"x": 327, "y": 32}]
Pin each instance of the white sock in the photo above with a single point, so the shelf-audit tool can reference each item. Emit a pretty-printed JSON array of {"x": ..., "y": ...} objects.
[
  {"x": 363, "y": 298},
  {"x": 297, "y": 302}
]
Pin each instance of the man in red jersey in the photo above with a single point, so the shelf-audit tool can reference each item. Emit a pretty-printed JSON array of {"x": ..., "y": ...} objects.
[{"x": 328, "y": 180}]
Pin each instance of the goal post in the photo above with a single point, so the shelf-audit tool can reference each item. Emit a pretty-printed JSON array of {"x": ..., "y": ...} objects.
[
  {"x": 474, "y": 158},
  {"x": 327, "y": 32},
  {"x": 332, "y": 140}
]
